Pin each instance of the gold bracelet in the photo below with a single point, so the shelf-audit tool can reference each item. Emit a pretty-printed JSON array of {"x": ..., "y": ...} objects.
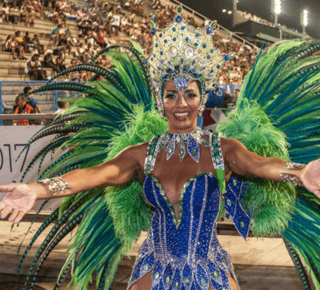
[
  {"x": 56, "y": 185},
  {"x": 291, "y": 178}
]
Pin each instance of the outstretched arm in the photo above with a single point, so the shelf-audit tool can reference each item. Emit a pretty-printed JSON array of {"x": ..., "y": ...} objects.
[
  {"x": 243, "y": 162},
  {"x": 121, "y": 169}
]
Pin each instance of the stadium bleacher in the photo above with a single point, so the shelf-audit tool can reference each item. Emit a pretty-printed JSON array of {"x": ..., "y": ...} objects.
[{"x": 138, "y": 30}]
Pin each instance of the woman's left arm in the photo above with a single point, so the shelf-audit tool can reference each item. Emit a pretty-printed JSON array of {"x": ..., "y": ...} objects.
[{"x": 244, "y": 162}]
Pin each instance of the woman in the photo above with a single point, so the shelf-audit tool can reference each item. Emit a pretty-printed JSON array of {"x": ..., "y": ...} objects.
[
  {"x": 181, "y": 109},
  {"x": 184, "y": 186}
]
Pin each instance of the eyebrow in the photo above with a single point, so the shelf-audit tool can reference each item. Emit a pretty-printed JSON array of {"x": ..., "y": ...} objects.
[{"x": 175, "y": 91}]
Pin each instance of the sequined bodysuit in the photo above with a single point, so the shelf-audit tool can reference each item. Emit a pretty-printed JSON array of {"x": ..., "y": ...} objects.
[{"x": 183, "y": 252}]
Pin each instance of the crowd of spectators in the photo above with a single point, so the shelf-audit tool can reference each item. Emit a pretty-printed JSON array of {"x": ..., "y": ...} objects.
[
  {"x": 242, "y": 59},
  {"x": 99, "y": 25}
]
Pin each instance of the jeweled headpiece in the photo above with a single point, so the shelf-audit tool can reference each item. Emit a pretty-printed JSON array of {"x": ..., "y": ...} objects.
[{"x": 181, "y": 54}]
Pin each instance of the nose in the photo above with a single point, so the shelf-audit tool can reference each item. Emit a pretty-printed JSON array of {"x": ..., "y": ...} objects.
[{"x": 181, "y": 101}]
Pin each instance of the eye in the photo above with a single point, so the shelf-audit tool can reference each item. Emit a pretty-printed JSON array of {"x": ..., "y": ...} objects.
[
  {"x": 171, "y": 96},
  {"x": 190, "y": 95}
]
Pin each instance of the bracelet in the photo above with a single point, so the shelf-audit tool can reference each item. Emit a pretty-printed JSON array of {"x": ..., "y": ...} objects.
[
  {"x": 56, "y": 185},
  {"x": 291, "y": 178},
  {"x": 295, "y": 166}
]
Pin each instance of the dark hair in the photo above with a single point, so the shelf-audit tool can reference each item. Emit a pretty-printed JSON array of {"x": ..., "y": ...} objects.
[
  {"x": 26, "y": 89},
  {"x": 61, "y": 104}
]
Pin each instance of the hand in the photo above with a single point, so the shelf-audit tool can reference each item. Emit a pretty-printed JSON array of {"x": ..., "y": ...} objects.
[
  {"x": 310, "y": 177},
  {"x": 19, "y": 200}
]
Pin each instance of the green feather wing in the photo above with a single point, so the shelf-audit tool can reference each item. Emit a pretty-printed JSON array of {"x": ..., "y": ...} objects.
[
  {"x": 117, "y": 112},
  {"x": 277, "y": 114}
]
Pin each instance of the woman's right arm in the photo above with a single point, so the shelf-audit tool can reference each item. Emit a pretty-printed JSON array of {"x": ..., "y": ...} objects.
[{"x": 119, "y": 170}]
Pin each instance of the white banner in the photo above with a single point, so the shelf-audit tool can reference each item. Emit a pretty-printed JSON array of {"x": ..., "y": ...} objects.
[{"x": 12, "y": 141}]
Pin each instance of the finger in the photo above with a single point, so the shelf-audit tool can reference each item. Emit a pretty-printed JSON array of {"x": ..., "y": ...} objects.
[
  {"x": 2, "y": 206},
  {"x": 13, "y": 215},
  {"x": 5, "y": 212},
  {"x": 7, "y": 188},
  {"x": 19, "y": 217}
]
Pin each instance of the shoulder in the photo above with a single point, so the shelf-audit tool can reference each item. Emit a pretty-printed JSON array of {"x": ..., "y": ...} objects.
[
  {"x": 229, "y": 145},
  {"x": 136, "y": 151}
]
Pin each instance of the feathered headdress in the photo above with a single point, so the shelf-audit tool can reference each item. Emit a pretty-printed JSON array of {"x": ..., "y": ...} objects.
[{"x": 181, "y": 54}]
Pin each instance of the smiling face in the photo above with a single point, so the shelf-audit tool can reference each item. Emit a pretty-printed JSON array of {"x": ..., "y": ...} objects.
[{"x": 181, "y": 107}]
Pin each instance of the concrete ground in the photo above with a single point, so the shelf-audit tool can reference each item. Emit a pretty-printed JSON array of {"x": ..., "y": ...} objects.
[{"x": 262, "y": 264}]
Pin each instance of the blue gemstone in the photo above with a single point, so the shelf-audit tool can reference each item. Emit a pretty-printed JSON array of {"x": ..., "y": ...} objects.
[
  {"x": 156, "y": 45},
  {"x": 208, "y": 56},
  {"x": 209, "y": 30},
  {"x": 161, "y": 53},
  {"x": 211, "y": 71},
  {"x": 183, "y": 27},
  {"x": 165, "y": 41},
  {"x": 178, "y": 19},
  {"x": 218, "y": 66},
  {"x": 187, "y": 38},
  {"x": 196, "y": 44},
  {"x": 174, "y": 29},
  {"x": 151, "y": 58},
  {"x": 211, "y": 50},
  {"x": 174, "y": 39},
  {"x": 186, "y": 68},
  {"x": 153, "y": 31},
  {"x": 181, "y": 83},
  {"x": 204, "y": 46},
  {"x": 226, "y": 57},
  {"x": 160, "y": 35},
  {"x": 197, "y": 34}
]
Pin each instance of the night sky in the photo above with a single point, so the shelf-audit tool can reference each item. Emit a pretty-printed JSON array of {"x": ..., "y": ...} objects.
[{"x": 290, "y": 15}]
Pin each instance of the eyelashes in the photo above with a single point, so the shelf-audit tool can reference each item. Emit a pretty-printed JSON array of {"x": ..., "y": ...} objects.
[{"x": 171, "y": 96}]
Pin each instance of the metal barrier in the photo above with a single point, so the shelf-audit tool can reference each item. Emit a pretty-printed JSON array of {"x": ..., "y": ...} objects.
[{"x": 9, "y": 90}]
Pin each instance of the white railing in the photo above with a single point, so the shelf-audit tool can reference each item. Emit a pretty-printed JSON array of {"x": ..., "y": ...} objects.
[{"x": 27, "y": 116}]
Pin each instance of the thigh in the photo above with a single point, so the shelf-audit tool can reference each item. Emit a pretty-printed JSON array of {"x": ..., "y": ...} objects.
[{"x": 144, "y": 283}]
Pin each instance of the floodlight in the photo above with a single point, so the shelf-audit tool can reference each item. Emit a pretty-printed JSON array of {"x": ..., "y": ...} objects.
[
  {"x": 277, "y": 7},
  {"x": 305, "y": 20}
]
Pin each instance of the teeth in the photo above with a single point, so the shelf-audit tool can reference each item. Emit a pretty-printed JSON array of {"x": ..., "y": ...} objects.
[{"x": 182, "y": 114}]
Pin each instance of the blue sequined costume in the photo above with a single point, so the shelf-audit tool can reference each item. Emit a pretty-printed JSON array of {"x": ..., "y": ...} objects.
[{"x": 184, "y": 253}]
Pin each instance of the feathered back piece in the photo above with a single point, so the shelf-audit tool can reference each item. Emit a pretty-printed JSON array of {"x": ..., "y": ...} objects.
[
  {"x": 278, "y": 114},
  {"x": 115, "y": 113}
]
